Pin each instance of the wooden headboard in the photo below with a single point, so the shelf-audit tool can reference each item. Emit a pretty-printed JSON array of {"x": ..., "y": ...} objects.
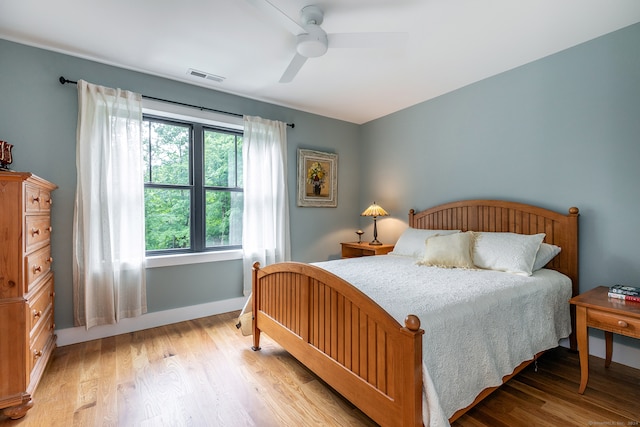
[
  {"x": 512, "y": 217},
  {"x": 504, "y": 216}
]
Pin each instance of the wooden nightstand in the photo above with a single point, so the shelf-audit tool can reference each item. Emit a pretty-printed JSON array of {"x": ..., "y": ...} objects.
[
  {"x": 355, "y": 249},
  {"x": 594, "y": 309}
]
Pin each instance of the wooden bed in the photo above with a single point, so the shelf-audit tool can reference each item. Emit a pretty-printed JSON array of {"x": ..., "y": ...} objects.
[{"x": 355, "y": 346}]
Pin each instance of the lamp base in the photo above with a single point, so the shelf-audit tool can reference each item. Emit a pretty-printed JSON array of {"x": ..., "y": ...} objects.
[{"x": 375, "y": 243}]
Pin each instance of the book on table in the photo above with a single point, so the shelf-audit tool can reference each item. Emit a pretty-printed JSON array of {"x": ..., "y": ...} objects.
[
  {"x": 623, "y": 297},
  {"x": 625, "y": 290}
]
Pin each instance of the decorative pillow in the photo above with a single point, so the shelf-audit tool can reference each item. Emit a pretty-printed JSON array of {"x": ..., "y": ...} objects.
[
  {"x": 546, "y": 253},
  {"x": 449, "y": 251},
  {"x": 411, "y": 241},
  {"x": 510, "y": 252}
]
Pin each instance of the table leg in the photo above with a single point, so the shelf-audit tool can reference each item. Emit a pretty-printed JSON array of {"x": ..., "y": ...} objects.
[
  {"x": 608, "y": 340},
  {"x": 583, "y": 346}
]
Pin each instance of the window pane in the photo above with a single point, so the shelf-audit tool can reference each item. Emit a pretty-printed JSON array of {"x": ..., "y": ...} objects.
[
  {"x": 240, "y": 164},
  {"x": 166, "y": 153},
  {"x": 167, "y": 218},
  {"x": 220, "y": 159},
  {"x": 223, "y": 218},
  {"x": 172, "y": 188}
]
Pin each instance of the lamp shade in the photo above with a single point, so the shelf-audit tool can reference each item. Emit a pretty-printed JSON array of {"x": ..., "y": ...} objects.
[{"x": 374, "y": 210}]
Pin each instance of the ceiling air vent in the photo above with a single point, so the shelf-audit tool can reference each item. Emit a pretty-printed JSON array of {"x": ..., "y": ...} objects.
[{"x": 206, "y": 76}]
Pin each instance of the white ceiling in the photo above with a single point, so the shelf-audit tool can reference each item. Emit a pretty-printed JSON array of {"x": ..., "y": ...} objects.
[{"x": 450, "y": 43}]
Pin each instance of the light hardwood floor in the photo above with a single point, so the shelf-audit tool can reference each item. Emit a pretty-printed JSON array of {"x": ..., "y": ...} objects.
[{"x": 203, "y": 373}]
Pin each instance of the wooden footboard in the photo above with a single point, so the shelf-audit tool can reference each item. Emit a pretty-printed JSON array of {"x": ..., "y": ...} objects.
[{"x": 344, "y": 337}]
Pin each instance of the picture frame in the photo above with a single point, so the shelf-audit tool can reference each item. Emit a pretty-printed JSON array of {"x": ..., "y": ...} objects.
[{"x": 317, "y": 179}]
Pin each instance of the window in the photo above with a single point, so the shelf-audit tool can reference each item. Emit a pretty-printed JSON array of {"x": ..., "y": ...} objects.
[{"x": 193, "y": 185}]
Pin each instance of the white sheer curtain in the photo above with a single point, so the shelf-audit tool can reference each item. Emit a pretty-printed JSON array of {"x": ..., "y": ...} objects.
[
  {"x": 265, "y": 224},
  {"x": 108, "y": 226}
]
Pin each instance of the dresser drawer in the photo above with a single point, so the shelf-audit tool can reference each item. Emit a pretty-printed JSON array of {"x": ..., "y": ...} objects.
[
  {"x": 37, "y": 199},
  {"x": 38, "y": 231},
  {"x": 38, "y": 345},
  {"x": 618, "y": 323},
  {"x": 40, "y": 305},
  {"x": 37, "y": 265}
]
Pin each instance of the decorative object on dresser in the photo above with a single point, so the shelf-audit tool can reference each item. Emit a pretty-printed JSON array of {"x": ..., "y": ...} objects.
[
  {"x": 6, "y": 157},
  {"x": 375, "y": 211},
  {"x": 359, "y": 233},
  {"x": 358, "y": 249},
  {"x": 612, "y": 315},
  {"x": 27, "y": 337}
]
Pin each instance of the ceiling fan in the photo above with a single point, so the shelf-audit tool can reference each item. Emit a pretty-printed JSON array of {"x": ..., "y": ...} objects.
[{"x": 312, "y": 41}]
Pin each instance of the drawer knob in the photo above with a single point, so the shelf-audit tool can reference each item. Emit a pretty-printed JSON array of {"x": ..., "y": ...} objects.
[
  {"x": 37, "y": 354},
  {"x": 37, "y": 268},
  {"x": 50, "y": 201},
  {"x": 37, "y": 313},
  {"x": 50, "y": 259},
  {"x": 622, "y": 323},
  {"x": 50, "y": 229},
  {"x": 36, "y": 199},
  {"x": 35, "y": 231}
]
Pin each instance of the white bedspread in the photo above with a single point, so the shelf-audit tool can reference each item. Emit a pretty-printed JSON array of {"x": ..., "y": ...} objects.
[{"x": 479, "y": 324}]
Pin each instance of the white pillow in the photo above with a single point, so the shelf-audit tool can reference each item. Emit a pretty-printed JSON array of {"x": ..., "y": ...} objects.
[
  {"x": 449, "y": 251},
  {"x": 411, "y": 241},
  {"x": 510, "y": 252},
  {"x": 546, "y": 253}
]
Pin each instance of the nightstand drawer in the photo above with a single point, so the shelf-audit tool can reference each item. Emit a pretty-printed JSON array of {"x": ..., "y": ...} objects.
[{"x": 618, "y": 323}]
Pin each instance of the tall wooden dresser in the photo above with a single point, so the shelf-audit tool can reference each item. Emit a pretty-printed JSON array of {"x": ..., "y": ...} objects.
[{"x": 27, "y": 337}]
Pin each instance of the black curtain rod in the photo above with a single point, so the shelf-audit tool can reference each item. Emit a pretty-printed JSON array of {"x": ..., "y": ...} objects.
[{"x": 63, "y": 80}]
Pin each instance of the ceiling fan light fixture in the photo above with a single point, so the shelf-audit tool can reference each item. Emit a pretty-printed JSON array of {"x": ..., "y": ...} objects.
[{"x": 314, "y": 43}]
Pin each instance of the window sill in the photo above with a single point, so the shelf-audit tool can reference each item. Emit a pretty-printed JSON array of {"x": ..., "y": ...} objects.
[{"x": 195, "y": 258}]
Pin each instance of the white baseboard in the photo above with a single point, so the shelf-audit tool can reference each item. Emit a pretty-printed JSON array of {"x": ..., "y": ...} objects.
[
  {"x": 75, "y": 335},
  {"x": 622, "y": 353}
]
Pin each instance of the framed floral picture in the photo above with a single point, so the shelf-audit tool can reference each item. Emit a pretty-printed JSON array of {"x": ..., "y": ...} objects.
[{"x": 317, "y": 179}]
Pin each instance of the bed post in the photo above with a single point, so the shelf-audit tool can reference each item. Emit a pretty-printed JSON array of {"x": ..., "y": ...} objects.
[
  {"x": 573, "y": 215},
  {"x": 412, "y": 408},
  {"x": 255, "y": 295}
]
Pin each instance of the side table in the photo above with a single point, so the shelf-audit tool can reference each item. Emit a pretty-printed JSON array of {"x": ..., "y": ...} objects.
[
  {"x": 594, "y": 309},
  {"x": 355, "y": 249}
]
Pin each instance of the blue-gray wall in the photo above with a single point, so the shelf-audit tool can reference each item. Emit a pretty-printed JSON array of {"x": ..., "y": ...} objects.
[
  {"x": 559, "y": 132},
  {"x": 39, "y": 116}
]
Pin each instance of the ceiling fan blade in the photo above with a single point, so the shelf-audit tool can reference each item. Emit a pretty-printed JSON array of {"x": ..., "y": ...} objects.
[
  {"x": 278, "y": 16},
  {"x": 367, "y": 40},
  {"x": 294, "y": 66}
]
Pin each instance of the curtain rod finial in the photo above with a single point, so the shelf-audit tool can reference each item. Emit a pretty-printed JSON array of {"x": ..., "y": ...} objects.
[{"x": 64, "y": 80}]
